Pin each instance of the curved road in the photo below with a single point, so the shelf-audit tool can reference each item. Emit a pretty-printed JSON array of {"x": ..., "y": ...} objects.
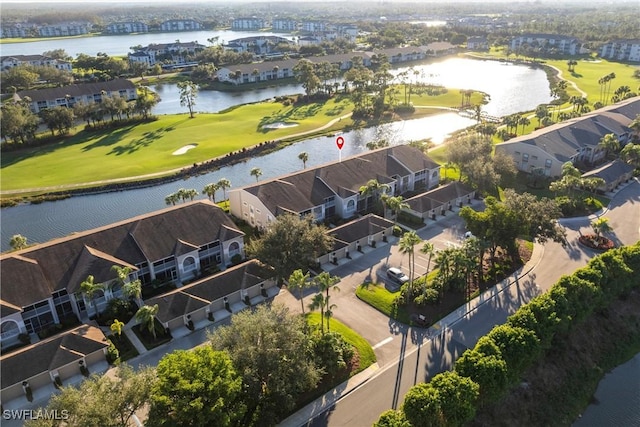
[{"x": 411, "y": 355}]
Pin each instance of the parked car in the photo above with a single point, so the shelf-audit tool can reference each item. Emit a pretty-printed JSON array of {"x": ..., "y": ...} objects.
[{"x": 397, "y": 275}]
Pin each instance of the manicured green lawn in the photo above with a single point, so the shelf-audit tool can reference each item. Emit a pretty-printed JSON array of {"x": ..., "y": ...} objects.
[
  {"x": 367, "y": 356},
  {"x": 147, "y": 148},
  {"x": 377, "y": 296}
]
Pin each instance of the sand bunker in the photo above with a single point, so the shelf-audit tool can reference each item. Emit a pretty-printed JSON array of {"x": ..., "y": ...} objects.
[
  {"x": 279, "y": 125},
  {"x": 184, "y": 149}
]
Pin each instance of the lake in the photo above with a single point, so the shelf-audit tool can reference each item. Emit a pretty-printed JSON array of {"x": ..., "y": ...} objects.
[{"x": 119, "y": 45}]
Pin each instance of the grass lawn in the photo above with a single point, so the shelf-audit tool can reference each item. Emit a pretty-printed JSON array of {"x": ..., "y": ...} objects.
[
  {"x": 377, "y": 296},
  {"x": 367, "y": 356},
  {"x": 147, "y": 148}
]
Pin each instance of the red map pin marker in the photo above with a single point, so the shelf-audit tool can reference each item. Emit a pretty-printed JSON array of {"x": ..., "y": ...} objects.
[{"x": 340, "y": 142}]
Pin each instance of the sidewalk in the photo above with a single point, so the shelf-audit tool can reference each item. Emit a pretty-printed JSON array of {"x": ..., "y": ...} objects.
[{"x": 330, "y": 398}]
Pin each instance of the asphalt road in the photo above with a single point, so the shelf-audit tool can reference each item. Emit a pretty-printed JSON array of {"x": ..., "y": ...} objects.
[{"x": 407, "y": 355}]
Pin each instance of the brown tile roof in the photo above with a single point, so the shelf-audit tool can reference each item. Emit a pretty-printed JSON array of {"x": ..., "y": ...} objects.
[
  {"x": 610, "y": 172},
  {"x": 50, "y": 354},
  {"x": 359, "y": 229},
  {"x": 302, "y": 190},
  {"x": 175, "y": 304},
  {"x": 231, "y": 280},
  {"x": 437, "y": 197},
  {"x": 33, "y": 274}
]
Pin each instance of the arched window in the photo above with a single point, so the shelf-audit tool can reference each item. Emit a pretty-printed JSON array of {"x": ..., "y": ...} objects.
[
  {"x": 9, "y": 329},
  {"x": 189, "y": 263},
  {"x": 234, "y": 248},
  {"x": 351, "y": 205}
]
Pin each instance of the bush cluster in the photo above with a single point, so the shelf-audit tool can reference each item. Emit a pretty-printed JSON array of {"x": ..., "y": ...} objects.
[{"x": 499, "y": 359}]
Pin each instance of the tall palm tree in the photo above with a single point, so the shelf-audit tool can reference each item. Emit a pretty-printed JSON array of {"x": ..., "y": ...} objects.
[
  {"x": 406, "y": 245},
  {"x": 524, "y": 121},
  {"x": 318, "y": 303},
  {"x": 373, "y": 188},
  {"x": 223, "y": 184},
  {"x": 210, "y": 190},
  {"x": 609, "y": 143},
  {"x": 610, "y": 78},
  {"x": 325, "y": 283},
  {"x": 304, "y": 156},
  {"x": 146, "y": 315},
  {"x": 298, "y": 281},
  {"x": 428, "y": 249},
  {"x": 395, "y": 204},
  {"x": 257, "y": 172},
  {"x": 89, "y": 289}
]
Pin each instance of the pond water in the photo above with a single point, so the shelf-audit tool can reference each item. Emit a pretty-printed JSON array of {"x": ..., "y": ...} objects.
[
  {"x": 119, "y": 45},
  {"x": 514, "y": 89},
  {"x": 618, "y": 398},
  {"x": 45, "y": 221}
]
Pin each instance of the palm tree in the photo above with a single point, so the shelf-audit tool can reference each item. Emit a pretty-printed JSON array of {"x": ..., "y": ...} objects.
[
  {"x": 373, "y": 188},
  {"x": 601, "y": 226},
  {"x": 210, "y": 190},
  {"x": 572, "y": 65},
  {"x": 146, "y": 315},
  {"x": 298, "y": 282},
  {"x": 325, "y": 283},
  {"x": 223, "y": 184},
  {"x": 631, "y": 154},
  {"x": 444, "y": 261},
  {"x": 116, "y": 328},
  {"x": 257, "y": 172},
  {"x": 172, "y": 199},
  {"x": 609, "y": 143},
  {"x": 428, "y": 249},
  {"x": 17, "y": 242},
  {"x": 524, "y": 121},
  {"x": 610, "y": 78},
  {"x": 406, "y": 246},
  {"x": 395, "y": 204},
  {"x": 132, "y": 289},
  {"x": 304, "y": 156},
  {"x": 318, "y": 303},
  {"x": 190, "y": 193},
  {"x": 89, "y": 289}
]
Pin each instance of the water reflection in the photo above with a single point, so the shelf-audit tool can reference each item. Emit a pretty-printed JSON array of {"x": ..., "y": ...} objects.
[{"x": 48, "y": 220}]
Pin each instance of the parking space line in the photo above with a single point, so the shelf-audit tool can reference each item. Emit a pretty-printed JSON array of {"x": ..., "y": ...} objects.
[{"x": 383, "y": 342}]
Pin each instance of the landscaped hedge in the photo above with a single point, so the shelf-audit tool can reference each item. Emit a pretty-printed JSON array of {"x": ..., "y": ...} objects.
[{"x": 499, "y": 359}]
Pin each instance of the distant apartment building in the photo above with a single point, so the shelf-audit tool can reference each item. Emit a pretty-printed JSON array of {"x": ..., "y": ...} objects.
[
  {"x": 12, "y": 61},
  {"x": 127, "y": 27},
  {"x": 477, "y": 43},
  {"x": 180, "y": 25},
  {"x": 284, "y": 25},
  {"x": 314, "y": 26},
  {"x": 259, "y": 45},
  {"x": 176, "y": 53},
  {"x": 622, "y": 50},
  {"x": 67, "y": 96},
  {"x": 16, "y": 31},
  {"x": 252, "y": 24},
  {"x": 65, "y": 29},
  {"x": 548, "y": 43}
]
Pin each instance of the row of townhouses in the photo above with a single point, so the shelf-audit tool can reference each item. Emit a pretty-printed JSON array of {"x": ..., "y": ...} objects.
[
  {"x": 12, "y": 61},
  {"x": 333, "y": 190},
  {"x": 282, "y": 69},
  {"x": 183, "y": 245},
  {"x": 175, "y": 53},
  {"x": 54, "y": 30},
  {"x": 289, "y": 25},
  {"x": 545, "y": 150},
  {"x": 550, "y": 43},
  {"x": 622, "y": 50},
  {"x": 68, "y": 96}
]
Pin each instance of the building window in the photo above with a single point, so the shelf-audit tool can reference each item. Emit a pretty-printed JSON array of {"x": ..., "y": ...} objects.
[
  {"x": 547, "y": 163},
  {"x": 525, "y": 157},
  {"x": 9, "y": 329},
  {"x": 189, "y": 263},
  {"x": 351, "y": 205}
]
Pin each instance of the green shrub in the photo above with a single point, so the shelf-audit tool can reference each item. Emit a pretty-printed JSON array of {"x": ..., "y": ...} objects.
[
  {"x": 112, "y": 353},
  {"x": 332, "y": 352},
  {"x": 592, "y": 204}
]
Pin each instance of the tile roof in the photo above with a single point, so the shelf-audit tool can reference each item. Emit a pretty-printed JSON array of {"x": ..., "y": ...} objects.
[
  {"x": 32, "y": 274},
  {"x": 50, "y": 354},
  {"x": 359, "y": 229},
  {"x": 194, "y": 296},
  {"x": 303, "y": 190},
  {"x": 610, "y": 172},
  {"x": 437, "y": 197},
  {"x": 563, "y": 140}
]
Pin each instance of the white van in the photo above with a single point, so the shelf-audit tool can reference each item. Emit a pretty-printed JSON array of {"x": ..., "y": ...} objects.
[{"x": 397, "y": 275}]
